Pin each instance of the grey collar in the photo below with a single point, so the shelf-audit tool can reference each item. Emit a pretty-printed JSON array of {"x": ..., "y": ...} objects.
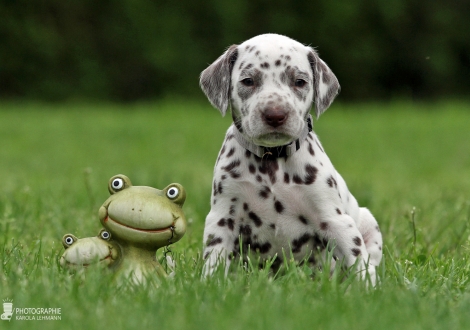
[{"x": 275, "y": 152}]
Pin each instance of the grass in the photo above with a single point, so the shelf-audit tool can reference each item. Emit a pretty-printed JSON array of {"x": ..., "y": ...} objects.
[{"x": 408, "y": 162}]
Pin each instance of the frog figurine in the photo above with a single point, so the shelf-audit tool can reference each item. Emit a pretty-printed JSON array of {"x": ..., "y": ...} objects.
[
  {"x": 82, "y": 252},
  {"x": 141, "y": 220}
]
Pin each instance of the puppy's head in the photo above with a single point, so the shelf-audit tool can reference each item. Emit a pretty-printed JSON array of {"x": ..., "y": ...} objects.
[{"x": 271, "y": 82}]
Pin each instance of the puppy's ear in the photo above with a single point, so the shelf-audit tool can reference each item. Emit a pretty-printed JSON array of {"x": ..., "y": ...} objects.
[
  {"x": 215, "y": 79},
  {"x": 325, "y": 83}
]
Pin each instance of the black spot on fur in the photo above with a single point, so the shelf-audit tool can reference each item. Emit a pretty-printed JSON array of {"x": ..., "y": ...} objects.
[
  {"x": 278, "y": 206},
  {"x": 270, "y": 167},
  {"x": 323, "y": 225},
  {"x": 214, "y": 188},
  {"x": 265, "y": 65},
  {"x": 245, "y": 206},
  {"x": 247, "y": 153},
  {"x": 232, "y": 210},
  {"x": 252, "y": 168},
  {"x": 299, "y": 242},
  {"x": 286, "y": 178},
  {"x": 319, "y": 243},
  {"x": 221, "y": 222},
  {"x": 355, "y": 252},
  {"x": 231, "y": 152},
  {"x": 245, "y": 230},
  {"x": 256, "y": 219},
  {"x": 211, "y": 241},
  {"x": 277, "y": 63},
  {"x": 338, "y": 211},
  {"x": 265, "y": 192},
  {"x": 230, "y": 168},
  {"x": 230, "y": 223},
  {"x": 303, "y": 219},
  {"x": 222, "y": 150},
  {"x": 237, "y": 121},
  {"x": 234, "y": 199},
  {"x": 283, "y": 78},
  {"x": 219, "y": 187},
  {"x": 261, "y": 248},
  {"x": 259, "y": 178},
  {"x": 311, "y": 174},
  {"x": 297, "y": 179},
  {"x": 357, "y": 240},
  {"x": 273, "y": 226},
  {"x": 319, "y": 146},
  {"x": 332, "y": 182},
  {"x": 310, "y": 149}
]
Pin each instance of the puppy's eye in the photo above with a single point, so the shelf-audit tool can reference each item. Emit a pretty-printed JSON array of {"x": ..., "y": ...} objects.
[
  {"x": 300, "y": 83},
  {"x": 248, "y": 82}
]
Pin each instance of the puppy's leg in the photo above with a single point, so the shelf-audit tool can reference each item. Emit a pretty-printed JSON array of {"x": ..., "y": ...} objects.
[
  {"x": 371, "y": 234},
  {"x": 350, "y": 246},
  {"x": 219, "y": 237}
]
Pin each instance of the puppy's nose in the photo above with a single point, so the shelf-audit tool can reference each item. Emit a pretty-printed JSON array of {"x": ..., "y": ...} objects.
[{"x": 275, "y": 116}]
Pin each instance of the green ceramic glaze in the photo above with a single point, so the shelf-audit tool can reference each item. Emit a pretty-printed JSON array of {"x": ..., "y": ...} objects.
[
  {"x": 82, "y": 252},
  {"x": 141, "y": 220}
]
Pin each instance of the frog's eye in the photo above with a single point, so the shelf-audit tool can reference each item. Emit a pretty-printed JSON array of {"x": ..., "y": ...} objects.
[
  {"x": 105, "y": 235},
  {"x": 117, "y": 184},
  {"x": 69, "y": 240},
  {"x": 173, "y": 192}
]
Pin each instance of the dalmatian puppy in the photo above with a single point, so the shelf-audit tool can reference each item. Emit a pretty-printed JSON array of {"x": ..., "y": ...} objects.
[{"x": 275, "y": 191}]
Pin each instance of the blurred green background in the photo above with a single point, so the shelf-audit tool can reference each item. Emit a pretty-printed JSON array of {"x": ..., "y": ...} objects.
[{"x": 127, "y": 50}]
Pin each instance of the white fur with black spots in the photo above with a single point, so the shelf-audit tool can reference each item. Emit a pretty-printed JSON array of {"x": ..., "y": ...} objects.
[{"x": 296, "y": 203}]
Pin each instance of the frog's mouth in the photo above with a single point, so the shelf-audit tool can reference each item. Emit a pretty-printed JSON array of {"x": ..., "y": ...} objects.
[
  {"x": 109, "y": 257},
  {"x": 159, "y": 230}
]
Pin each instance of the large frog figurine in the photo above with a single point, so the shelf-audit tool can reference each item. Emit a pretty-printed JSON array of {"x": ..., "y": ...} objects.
[
  {"x": 82, "y": 252},
  {"x": 141, "y": 220}
]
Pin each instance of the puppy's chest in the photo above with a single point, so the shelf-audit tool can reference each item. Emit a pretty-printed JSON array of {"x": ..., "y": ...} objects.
[
  {"x": 238, "y": 171},
  {"x": 268, "y": 200}
]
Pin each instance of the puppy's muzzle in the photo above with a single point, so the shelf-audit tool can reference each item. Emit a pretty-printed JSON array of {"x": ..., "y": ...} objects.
[{"x": 275, "y": 116}]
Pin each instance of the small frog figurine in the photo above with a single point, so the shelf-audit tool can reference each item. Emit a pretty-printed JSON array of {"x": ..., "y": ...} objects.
[
  {"x": 138, "y": 220},
  {"x": 82, "y": 252}
]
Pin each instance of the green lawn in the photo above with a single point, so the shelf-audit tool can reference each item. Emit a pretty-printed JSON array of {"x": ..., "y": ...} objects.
[{"x": 409, "y": 163}]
